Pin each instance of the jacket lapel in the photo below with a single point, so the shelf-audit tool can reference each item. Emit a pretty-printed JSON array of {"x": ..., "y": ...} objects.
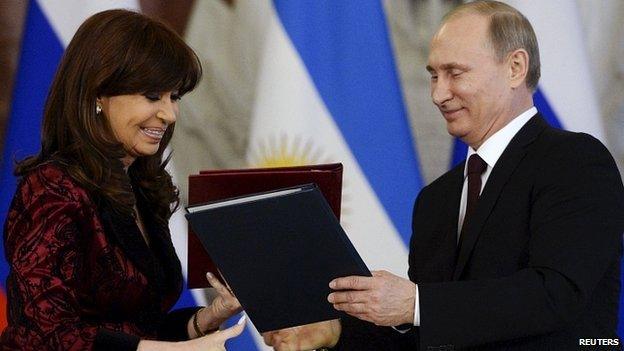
[
  {"x": 124, "y": 232},
  {"x": 452, "y": 218},
  {"x": 504, "y": 168}
]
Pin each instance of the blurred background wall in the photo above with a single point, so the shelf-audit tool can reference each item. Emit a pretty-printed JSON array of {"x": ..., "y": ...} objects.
[{"x": 228, "y": 37}]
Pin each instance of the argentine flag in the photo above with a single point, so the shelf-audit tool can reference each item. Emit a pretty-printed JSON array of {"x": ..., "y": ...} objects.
[
  {"x": 328, "y": 91},
  {"x": 49, "y": 27}
]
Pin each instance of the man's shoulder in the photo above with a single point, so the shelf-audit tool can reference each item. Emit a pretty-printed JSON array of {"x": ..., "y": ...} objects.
[{"x": 562, "y": 144}]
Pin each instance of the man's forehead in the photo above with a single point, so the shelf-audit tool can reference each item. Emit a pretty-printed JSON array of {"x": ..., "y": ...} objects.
[
  {"x": 462, "y": 27},
  {"x": 460, "y": 38}
]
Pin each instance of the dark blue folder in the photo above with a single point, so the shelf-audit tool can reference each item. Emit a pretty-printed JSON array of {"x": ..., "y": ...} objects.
[{"x": 278, "y": 253}]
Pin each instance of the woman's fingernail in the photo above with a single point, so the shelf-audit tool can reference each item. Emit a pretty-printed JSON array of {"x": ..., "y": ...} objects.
[
  {"x": 242, "y": 319},
  {"x": 209, "y": 275}
]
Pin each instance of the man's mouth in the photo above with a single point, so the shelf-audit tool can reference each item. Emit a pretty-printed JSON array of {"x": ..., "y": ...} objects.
[{"x": 450, "y": 113}]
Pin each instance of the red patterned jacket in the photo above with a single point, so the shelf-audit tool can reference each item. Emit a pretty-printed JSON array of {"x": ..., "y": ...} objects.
[{"x": 82, "y": 277}]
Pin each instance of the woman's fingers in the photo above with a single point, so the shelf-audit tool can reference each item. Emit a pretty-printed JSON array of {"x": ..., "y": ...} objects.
[
  {"x": 215, "y": 283},
  {"x": 234, "y": 330}
]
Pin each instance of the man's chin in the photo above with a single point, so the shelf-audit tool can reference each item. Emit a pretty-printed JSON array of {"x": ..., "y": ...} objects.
[{"x": 456, "y": 131}]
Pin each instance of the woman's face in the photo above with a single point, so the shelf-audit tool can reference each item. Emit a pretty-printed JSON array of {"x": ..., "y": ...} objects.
[{"x": 139, "y": 121}]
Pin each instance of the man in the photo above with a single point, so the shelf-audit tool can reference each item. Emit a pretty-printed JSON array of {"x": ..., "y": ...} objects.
[{"x": 518, "y": 248}]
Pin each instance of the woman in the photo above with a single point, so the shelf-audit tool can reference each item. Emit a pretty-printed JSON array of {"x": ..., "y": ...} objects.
[{"x": 91, "y": 258}]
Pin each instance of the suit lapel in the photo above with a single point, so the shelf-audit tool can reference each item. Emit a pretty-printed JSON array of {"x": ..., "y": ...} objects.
[
  {"x": 504, "y": 168},
  {"x": 452, "y": 218}
]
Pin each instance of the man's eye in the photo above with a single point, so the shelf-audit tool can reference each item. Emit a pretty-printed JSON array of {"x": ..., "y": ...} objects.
[{"x": 175, "y": 97}]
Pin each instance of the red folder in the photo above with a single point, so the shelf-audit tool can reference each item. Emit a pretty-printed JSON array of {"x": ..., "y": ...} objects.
[{"x": 216, "y": 185}]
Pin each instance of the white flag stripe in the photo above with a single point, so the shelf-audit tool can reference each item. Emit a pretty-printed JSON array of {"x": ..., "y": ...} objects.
[
  {"x": 179, "y": 236},
  {"x": 67, "y": 15},
  {"x": 288, "y": 103},
  {"x": 566, "y": 80}
]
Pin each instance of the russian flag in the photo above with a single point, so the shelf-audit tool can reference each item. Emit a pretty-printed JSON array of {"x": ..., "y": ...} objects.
[
  {"x": 328, "y": 91},
  {"x": 49, "y": 27}
]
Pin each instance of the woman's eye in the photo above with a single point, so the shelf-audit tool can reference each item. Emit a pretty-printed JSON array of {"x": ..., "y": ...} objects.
[
  {"x": 175, "y": 97},
  {"x": 152, "y": 96}
]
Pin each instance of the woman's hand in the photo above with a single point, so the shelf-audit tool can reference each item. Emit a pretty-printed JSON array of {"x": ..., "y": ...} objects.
[
  {"x": 211, "y": 342},
  {"x": 223, "y": 306},
  {"x": 305, "y": 337},
  {"x": 215, "y": 341}
]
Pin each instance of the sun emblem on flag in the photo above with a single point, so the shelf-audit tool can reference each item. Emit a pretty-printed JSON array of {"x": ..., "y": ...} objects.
[
  {"x": 287, "y": 151},
  {"x": 283, "y": 151}
]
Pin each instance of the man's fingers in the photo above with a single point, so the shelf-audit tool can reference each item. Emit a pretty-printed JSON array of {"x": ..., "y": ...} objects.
[
  {"x": 351, "y": 283},
  {"x": 269, "y": 338},
  {"x": 348, "y": 297},
  {"x": 352, "y": 308}
]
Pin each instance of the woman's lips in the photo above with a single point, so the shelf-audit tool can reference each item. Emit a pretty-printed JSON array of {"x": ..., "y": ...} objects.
[{"x": 154, "y": 133}]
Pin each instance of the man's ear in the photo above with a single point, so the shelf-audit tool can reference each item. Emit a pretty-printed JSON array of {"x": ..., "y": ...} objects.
[{"x": 518, "y": 67}]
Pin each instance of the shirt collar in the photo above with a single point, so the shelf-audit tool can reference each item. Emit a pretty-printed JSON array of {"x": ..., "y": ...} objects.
[{"x": 491, "y": 150}]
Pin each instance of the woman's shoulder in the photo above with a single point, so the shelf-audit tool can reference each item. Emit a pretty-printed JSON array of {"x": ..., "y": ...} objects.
[{"x": 51, "y": 179}]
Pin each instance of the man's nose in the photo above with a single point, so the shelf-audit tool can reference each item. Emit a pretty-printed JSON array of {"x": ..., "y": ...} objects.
[{"x": 440, "y": 92}]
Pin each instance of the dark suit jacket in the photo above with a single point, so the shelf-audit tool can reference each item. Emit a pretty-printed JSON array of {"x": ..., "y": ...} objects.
[
  {"x": 81, "y": 276},
  {"x": 539, "y": 263}
]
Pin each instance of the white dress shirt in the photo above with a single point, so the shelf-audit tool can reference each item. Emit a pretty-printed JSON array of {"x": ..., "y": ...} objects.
[{"x": 490, "y": 151}]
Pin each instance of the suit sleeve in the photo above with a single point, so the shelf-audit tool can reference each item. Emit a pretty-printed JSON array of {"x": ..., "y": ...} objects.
[
  {"x": 575, "y": 229},
  {"x": 359, "y": 335}
]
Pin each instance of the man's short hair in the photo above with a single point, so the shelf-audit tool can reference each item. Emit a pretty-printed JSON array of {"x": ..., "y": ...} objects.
[{"x": 509, "y": 30}]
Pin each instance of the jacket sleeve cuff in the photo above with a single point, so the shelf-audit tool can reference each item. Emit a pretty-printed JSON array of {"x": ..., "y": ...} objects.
[
  {"x": 106, "y": 339},
  {"x": 174, "y": 327}
]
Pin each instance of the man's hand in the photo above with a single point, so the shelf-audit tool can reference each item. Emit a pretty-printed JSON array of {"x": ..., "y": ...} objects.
[
  {"x": 304, "y": 337},
  {"x": 384, "y": 299}
]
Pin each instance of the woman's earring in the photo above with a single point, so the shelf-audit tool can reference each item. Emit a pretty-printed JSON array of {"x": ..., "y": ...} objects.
[{"x": 98, "y": 109}]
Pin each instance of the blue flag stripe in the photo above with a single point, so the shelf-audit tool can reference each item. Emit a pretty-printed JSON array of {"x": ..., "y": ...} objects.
[
  {"x": 346, "y": 49},
  {"x": 33, "y": 78},
  {"x": 544, "y": 108}
]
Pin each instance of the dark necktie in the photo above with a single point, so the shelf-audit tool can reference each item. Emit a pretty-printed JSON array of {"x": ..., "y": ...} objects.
[{"x": 476, "y": 167}]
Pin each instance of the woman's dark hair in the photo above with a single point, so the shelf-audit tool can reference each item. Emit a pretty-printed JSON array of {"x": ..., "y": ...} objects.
[{"x": 114, "y": 52}]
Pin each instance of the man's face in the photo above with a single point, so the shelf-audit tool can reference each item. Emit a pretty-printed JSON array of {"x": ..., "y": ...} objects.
[{"x": 468, "y": 83}]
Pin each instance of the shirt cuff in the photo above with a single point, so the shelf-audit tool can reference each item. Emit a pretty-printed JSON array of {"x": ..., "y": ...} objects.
[
  {"x": 404, "y": 328},
  {"x": 416, "y": 308}
]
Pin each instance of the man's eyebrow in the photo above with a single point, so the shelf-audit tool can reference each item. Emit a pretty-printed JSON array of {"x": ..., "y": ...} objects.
[
  {"x": 448, "y": 66},
  {"x": 453, "y": 65}
]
